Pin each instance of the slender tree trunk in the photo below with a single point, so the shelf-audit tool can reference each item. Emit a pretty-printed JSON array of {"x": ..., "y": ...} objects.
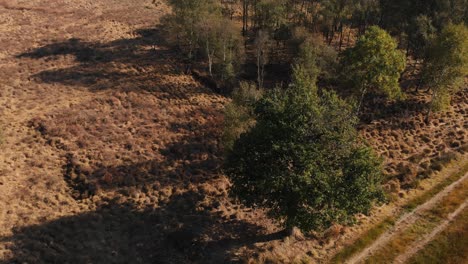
[
  {"x": 258, "y": 70},
  {"x": 210, "y": 59},
  {"x": 361, "y": 100},
  {"x": 244, "y": 16},
  {"x": 349, "y": 34},
  {"x": 263, "y": 75},
  {"x": 332, "y": 35},
  {"x": 429, "y": 110},
  {"x": 407, "y": 47},
  {"x": 341, "y": 36}
]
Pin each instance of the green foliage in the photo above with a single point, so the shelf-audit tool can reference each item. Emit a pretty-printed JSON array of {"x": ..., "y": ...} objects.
[
  {"x": 411, "y": 20},
  {"x": 270, "y": 14},
  {"x": 375, "y": 63},
  {"x": 239, "y": 114},
  {"x": 220, "y": 43},
  {"x": 365, "y": 11},
  {"x": 199, "y": 28},
  {"x": 446, "y": 64},
  {"x": 317, "y": 58},
  {"x": 333, "y": 11},
  {"x": 302, "y": 160},
  {"x": 186, "y": 16},
  {"x": 421, "y": 31}
]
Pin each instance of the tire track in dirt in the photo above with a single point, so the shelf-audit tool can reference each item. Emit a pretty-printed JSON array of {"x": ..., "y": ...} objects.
[
  {"x": 421, "y": 243},
  {"x": 405, "y": 221}
]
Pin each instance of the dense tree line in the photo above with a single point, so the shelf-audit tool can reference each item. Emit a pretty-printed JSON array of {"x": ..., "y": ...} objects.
[
  {"x": 293, "y": 148},
  {"x": 209, "y": 31}
]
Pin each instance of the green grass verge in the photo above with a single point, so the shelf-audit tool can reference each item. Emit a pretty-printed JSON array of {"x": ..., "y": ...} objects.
[
  {"x": 364, "y": 241},
  {"x": 450, "y": 246},
  {"x": 370, "y": 236},
  {"x": 429, "y": 220},
  {"x": 399, "y": 244}
]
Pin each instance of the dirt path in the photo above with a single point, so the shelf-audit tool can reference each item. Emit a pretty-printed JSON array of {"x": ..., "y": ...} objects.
[
  {"x": 420, "y": 244},
  {"x": 405, "y": 221}
]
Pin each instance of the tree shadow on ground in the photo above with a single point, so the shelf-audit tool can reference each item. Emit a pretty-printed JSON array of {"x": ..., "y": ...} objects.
[
  {"x": 398, "y": 114},
  {"x": 122, "y": 233},
  {"x": 141, "y": 222},
  {"x": 158, "y": 202},
  {"x": 132, "y": 64}
]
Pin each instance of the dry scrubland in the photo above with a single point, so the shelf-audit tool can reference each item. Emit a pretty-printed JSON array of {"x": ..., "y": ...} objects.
[{"x": 111, "y": 155}]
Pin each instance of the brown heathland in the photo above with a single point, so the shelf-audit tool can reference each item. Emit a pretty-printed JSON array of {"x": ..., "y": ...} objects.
[{"x": 111, "y": 154}]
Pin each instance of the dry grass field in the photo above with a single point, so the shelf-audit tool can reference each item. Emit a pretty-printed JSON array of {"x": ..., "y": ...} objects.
[{"x": 111, "y": 154}]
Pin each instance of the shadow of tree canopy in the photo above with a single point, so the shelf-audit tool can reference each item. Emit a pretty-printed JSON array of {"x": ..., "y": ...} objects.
[
  {"x": 121, "y": 233},
  {"x": 192, "y": 160},
  {"x": 140, "y": 63},
  {"x": 161, "y": 207}
]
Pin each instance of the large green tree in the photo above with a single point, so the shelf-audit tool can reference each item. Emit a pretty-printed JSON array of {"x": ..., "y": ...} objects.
[
  {"x": 302, "y": 160},
  {"x": 374, "y": 64}
]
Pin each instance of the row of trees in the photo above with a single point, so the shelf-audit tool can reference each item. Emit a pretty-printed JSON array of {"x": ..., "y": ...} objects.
[
  {"x": 412, "y": 21},
  {"x": 206, "y": 31},
  {"x": 201, "y": 32},
  {"x": 296, "y": 151}
]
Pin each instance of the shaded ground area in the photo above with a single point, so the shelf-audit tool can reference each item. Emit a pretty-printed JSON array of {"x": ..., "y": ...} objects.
[{"x": 120, "y": 233}]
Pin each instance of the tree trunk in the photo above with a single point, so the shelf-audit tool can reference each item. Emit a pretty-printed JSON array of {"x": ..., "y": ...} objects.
[
  {"x": 363, "y": 94},
  {"x": 349, "y": 35},
  {"x": 429, "y": 110},
  {"x": 210, "y": 59},
  {"x": 244, "y": 16},
  {"x": 341, "y": 36},
  {"x": 331, "y": 37},
  {"x": 258, "y": 70}
]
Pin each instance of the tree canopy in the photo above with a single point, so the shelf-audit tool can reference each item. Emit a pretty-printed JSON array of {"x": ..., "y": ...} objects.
[
  {"x": 302, "y": 160},
  {"x": 446, "y": 64},
  {"x": 374, "y": 64}
]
